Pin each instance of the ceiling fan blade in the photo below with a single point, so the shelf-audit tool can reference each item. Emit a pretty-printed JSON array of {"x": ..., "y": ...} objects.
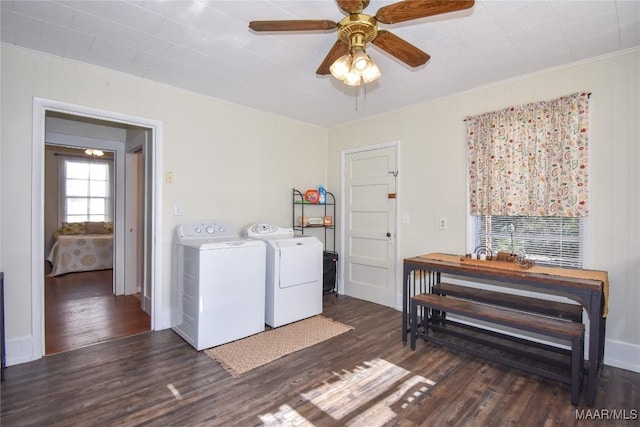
[
  {"x": 338, "y": 49},
  {"x": 401, "y": 49},
  {"x": 293, "y": 25},
  {"x": 352, "y": 6},
  {"x": 415, "y": 9}
]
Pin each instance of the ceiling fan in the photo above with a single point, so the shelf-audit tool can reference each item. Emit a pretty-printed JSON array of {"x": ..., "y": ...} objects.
[{"x": 357, "y": 29}]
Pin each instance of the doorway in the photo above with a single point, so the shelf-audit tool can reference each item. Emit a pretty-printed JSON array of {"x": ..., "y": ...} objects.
[
  {"x": 83, "y": 303},
  {"x": 369, "y": 228},
  {"x": 149, "y": 146}
]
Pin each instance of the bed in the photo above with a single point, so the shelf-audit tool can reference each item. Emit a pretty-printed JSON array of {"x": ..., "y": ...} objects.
[{"x": 81, "y": 247}]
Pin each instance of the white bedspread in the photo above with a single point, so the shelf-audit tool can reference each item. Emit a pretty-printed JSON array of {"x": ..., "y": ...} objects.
[{"x": 82, "y": 252}]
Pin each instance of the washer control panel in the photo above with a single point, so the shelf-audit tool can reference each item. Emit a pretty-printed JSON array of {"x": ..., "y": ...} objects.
[{"x": 205, "y": 230}]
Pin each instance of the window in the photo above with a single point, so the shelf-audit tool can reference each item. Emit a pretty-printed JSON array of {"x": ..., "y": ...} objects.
[
  {"x": 86, "y": 190},
  {"x": 528, "y": 179},
  {"x": 545, "y": 240}
]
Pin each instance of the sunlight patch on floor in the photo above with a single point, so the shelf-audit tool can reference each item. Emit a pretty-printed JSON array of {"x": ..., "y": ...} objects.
[
  {"x": 355, "y": 389},
  {"x": 285, "y": 417}
]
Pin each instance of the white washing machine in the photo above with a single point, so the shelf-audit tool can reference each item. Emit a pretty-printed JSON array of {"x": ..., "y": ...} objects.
[
  {"x": 293, "y": 274},
  {"x": 220, "y": 284}
]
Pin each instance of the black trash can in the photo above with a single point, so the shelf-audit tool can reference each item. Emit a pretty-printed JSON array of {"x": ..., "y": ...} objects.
[{"x": 330, "y": 272}]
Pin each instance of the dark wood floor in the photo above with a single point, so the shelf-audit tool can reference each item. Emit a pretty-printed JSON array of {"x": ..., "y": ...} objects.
[
  {"x": 157, "y": 379},
  {"x": 80, "y": 310}
]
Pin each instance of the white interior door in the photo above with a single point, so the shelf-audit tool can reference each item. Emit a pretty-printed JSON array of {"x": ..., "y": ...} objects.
[{"x": 370, "y": 225}]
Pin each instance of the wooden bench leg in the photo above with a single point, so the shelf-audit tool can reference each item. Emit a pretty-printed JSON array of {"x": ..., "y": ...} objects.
[{"x": 577, "y": 358}]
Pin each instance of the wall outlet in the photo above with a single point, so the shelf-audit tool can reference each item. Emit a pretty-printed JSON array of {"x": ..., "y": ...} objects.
[
  {"x": 168, "y": 177},
  {"x": 443, "y": 223}
]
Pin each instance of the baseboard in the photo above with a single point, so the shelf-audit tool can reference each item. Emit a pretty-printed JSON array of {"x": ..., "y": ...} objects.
[
  {"x": 165, "y": 320},
  {"x": 622, "y": 355},
  {"x": 399, "y": 302},
  {"x": 20, "y": 350},
  {"x": 146, "y": 304}
]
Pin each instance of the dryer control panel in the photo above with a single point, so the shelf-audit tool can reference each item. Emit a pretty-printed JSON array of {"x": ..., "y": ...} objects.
[
  {"x": 264, "y": 229},
  {"x": 267, "y": 230}
]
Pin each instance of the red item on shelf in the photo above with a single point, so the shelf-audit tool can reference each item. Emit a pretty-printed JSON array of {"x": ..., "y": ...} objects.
[{"x": 312, "y": 196}]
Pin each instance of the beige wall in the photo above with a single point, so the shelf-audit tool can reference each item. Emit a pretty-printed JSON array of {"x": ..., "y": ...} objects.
[
  {"x": 432, "y": 174},
  {"x": 236, "y": 164},
  {"x": 231, "y": 163}
]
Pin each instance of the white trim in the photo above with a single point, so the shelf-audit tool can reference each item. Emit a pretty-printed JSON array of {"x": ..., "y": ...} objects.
[
  {"x": 40, "y": 107},
  {"x": 396, "y": 254},
  {"x": 158, "y": 321},
  {"x": 20, "y": 350},
  {"x": 622, "y": 355},
  {"x": 37, "y": 235}
]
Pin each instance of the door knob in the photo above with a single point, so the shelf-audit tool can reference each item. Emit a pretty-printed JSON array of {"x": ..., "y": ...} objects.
[{"x": 388, "y": 234}]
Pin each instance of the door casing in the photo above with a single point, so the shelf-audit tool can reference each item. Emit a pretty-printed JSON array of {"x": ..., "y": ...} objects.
[{"x": 40, "y": 108}]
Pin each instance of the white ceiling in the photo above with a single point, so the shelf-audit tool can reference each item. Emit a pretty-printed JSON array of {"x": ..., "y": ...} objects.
[{"x": 207, "y": 47}]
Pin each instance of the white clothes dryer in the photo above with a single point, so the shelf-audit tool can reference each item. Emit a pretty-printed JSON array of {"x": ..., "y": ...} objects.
[
  {"x": 293, "y": 274},
  {"x": 219, "y": 283}
]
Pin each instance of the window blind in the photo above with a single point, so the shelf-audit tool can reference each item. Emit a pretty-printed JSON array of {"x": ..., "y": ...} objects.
[{"x": 545, "y": 240}]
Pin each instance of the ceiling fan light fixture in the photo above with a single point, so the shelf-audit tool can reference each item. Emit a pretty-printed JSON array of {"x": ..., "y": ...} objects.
[
  {"x": 355, "y": 68},
  {"x": 360, "y": 60},
  {"x": 371, "y": 73},
  {"x": 94, "y": 152},
  {"x": 352, "y": 78},
  {"x": 340, "y": 67}
]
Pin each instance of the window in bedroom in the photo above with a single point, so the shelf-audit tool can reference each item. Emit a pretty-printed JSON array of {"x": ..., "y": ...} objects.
[
  {"x": 528, "y": 180},
  {"x": 86, "y": 190}
]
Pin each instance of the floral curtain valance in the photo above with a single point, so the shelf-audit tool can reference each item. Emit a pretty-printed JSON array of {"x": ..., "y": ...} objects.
[{"x": 531, "y": 160}]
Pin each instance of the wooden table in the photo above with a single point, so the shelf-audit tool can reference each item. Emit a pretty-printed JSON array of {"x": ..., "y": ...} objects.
[{"x": 587, "y": 287}]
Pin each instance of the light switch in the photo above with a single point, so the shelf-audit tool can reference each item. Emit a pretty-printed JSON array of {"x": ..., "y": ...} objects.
[
  {"x": 177, "y": 209},
  {"x": 406, "y": 218}
]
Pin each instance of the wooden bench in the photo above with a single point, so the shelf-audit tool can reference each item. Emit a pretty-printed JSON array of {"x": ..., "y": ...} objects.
[
  {"x": 560, "y": 310},
  {"x": 556, "y": 328}
]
